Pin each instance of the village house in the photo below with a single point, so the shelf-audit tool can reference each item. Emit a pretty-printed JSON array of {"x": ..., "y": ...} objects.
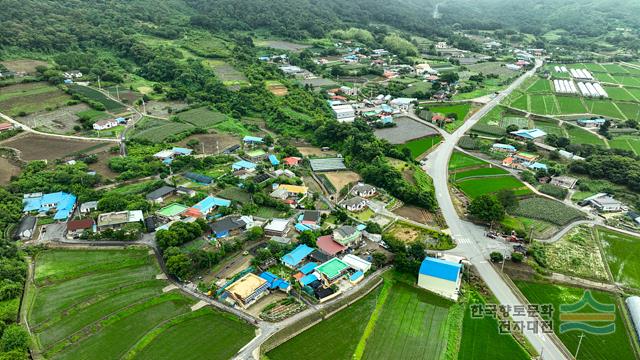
[
  {"x": 252, "y": 140},
  {"x": 244, "y": 165},
  {"x": 61, "y": 203},
  {"x": 116, "y": 220},
  {"x": 503, "y": 148},
  {"x": 256, "y": 155},
  {"x": 158, "y": 196},
  {"x": 247, "y": 290},
  {"x": 75, "y": 228},
  {"x": 105, "y": 124},
  {"x": 168, "y": 155},
  {"x": 228, "y": 226},
  {"x": 331, "y": 271},
  {"x": 26, "y": 228},
  {"x": 72, "y": 74},
  {"x": 441, "y": 277},
  {"x": 357, "y": 263},
  {"x": 310, "y": 218},
  {"x": 566, "y": 182},
  {"x": 292, "y": 161},
  {"x": 529, "y": 134},
  {"x": 603, "y": 203},
  {"x": 347, "y": 235},
  {"x": 295, "y": 257},
  {"x": 198, "y": 178},
  {"x": 277, "y": 227},
  {"x": 591, "y": 123},
  {"x": 344, "y": 113},
  {"x": 364, "y": 190},
  {"x": 182, "y": 190},
  {"x": 354, "y": 204},
  {"x": 6, "y": 127},
  {"x": 329, "y": 247},
  {"x": 89, "y": 206}
]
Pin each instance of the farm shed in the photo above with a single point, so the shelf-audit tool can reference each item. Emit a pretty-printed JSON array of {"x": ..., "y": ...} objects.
[
  {"x": 295, "y": 257},
  {"x": 633, "y": 303},
  {"x": 248, "y": 289},
  {"x": 441, "y": 277},
  {"x": 198, "y": 178},
  {"x": 357, "y": 263}
]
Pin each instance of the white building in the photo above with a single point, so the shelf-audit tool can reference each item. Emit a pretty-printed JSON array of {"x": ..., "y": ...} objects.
[
  {"x": 355, "y": 204},
  {"x": 441, "y": 277},
  {"x": 277, "y": 227},
  {"x": 105, "y": 124},
  {"x": 344, "y": 113},
  {"x": 357, "y": 263}
]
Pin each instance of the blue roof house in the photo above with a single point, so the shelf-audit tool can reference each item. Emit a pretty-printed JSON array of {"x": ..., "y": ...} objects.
[
  {"x": 207, "y": 204},
  {"x": 62, "y": 202},
  {"x": 295, "y": 257},
  {"x": 537, "y": 166},
  {"x": 275, "y": 282},
  {"x": 243, "y": 165},
  {"x": 504, "y": 147},
  {"x": 308, "y": 267},
  {"x": 441, "y": 277},
  {"x": 274, "y": 160},
  {"x": 252, "y": 140},
  {"x": 181, "y": 151},
  {"x": 529, "y": 134}
]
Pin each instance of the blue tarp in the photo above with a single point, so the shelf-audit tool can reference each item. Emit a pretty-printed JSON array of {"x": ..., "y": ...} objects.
[
  {"x": 356, "y": 275},
  {"x": 440, "y": 269},
  {"x": 308, "y": 268},
  {"x": 297, "y": 255},
  {"x": 308, "y": 279},
  {"x": 181, "y": 151},
  {"x": 274, "y": 160}
]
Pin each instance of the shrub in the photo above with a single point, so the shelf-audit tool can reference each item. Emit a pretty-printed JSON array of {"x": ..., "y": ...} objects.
[
  {"x": 496, "y": 257},
  {"x": 552, "y": 190},
  {"x": 517, "y": 257}
]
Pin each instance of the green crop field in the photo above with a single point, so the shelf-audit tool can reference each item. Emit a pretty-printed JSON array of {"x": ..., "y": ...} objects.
[
  {"x": 570, "y": 105},
  {"x": 626, "y": 142},
  {"x": 420, "y": 146},
  {"x": 626, "y": 80},
  {"x": 579, "y": 135},
  {"x": 550, "y": 127},
  {"x": 540, "y": 86},
  {"x": 622, "y": 252},
  {"x": 202, "y": 117},
  {"x": 20, "y": 99},
  {"x": 594, "y": 347},
  {"x": 107, "y": 304},
  {"x": 603, "y": 107},
  {"x": 520, "y": 101},
  {"x": 342, "y": 330},
  {"x": 461, "y": 160},
  {"x": 95, "y": 95},
  {"x": 615, "y": 69},
  {"x": 411, "y": 325},
  {"x": 617, "y": 93},
  {"x": 481, "y": 339},
  {"x": 605, "y": 77},
  {"x": 592, "y": 67},
  {"x": 157, "y": 130},
  {"x": 478, "y": 173},
  {"x": 232, "y": 126},
  {"x": 630, "y": 110},
  {"x": 545, "y": 209},
  {"x": 474, "y": 187},
  {"x": 543, "y": 104},
  {"x": 461, "y": 110}
]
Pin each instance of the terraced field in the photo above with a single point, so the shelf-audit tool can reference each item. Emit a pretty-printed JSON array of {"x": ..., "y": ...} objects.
[
  {"x": 107, "y": 304},
  {"x": 157, "y": 130},
  {"x": 28, "y": 98},
  {"x": 202, "y": 117}
]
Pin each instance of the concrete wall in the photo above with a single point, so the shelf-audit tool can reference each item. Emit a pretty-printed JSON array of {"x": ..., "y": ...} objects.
[{"x": 445, "y": 288}]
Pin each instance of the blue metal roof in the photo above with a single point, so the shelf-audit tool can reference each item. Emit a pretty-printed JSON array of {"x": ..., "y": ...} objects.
[
  {"x": 529, "y": 134},
  {"x": 181, "y": 151},
  {"x": 209, "y": 202},
  {"x": 61, "y": 201},
  {"x": 356, "y": 275},
  {"x": 251, "y": 139},
  {"x": 301, "y": 228},
  {"x": 243, "y": 164},
  {"x": 308, "y": 267},
  {"x": 296, "y": 255},
  {"x": 274, "y": 160},
  {"x": 505, "y": 146},
  {"x": 537, "y": 166},
  {"x": 308, "y": 279},
  {"x": 441, "y": 269}
]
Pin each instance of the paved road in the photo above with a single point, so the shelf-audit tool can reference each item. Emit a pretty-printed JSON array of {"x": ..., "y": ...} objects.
[
  {"x": 71, "y": 137},
  {"x": 470, "y": 238}
]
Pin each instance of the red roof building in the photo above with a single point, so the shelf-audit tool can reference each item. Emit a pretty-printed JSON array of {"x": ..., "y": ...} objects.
[
  {"x": 192, "y": 212},
  {"x": 6, "y": 126},
  {"x": 83, "y": 224},
  {"x": 339, "y": 98},
  {"x": 328, "y": 246},
  {"x": 292, "y": 160}
]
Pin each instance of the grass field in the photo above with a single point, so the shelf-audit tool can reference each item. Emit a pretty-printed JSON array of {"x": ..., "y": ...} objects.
[
  {"x": 461, "y": 160},
  {"x": 474, "y": 187},
  {"x": 95, "y": 95},
  {"x": 478, "y": 173},
  {"x": 420, "y": 146},
  {"x": 626, "y": 142},
  {"x": 540, "y": 86},
  {"x": 594, "y": 347},
  {"x": 202, "y": 117},
  {"x": 578, "y": 135},
  {"x": 550, "y": 127},
  {"x": 232, "y": 126},
  {"x": 461, "y": 110},
  {"x": 576, "y": 254},
  {"x": 622, "y": 253},
  {"x": 342, "y": 330},
  {"x": 157, "y": 130},
  {"x": 106, "y": 304},
  {"x": 481, "y": 339},
  {"x": 629, "y": 110},
  {"x": 570, "y": 105}
]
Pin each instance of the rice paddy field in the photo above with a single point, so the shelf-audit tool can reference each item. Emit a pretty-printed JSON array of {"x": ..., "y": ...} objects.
[
  {"x": 622, "y": 252},
  {"x": 474, "y": 187},
  {"x": 107, "y": 304},
  {"x": 626, "y": 142},
  {"x": 395, "y": 321},
  {"x": 461, "y": 160},
  {"x": 481, "y": 338},
  {"x": 422, "y": 145},
  {"x": 594, "y": 347},
  {"x": 579, "y": 135}
]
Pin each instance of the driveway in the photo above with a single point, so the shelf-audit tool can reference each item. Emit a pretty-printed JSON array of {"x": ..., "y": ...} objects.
[{"x": 52, "y": 232}]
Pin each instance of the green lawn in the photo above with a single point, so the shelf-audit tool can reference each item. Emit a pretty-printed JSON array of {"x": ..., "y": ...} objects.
[
  {"x": 474, "y": 187},
  {"x": 461, "y": 160},
  {"x": 622, "y": 253},
  {"x": 578, "y": 135},
  {"x": 411, "y": 325},
  {"x": 481, "y": 339},
  {"x": 594, "y": 347},
  {"x": 420, "y": 146},
  {"x": 478, "y": 172},
  {"x": 103, "y": 304},
  {"x": 342, "y": 331}
]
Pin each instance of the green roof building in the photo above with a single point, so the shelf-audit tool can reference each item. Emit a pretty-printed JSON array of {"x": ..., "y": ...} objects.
[
  {"x": 172, "y": 211},
  {"x": 331, "y": 270}
]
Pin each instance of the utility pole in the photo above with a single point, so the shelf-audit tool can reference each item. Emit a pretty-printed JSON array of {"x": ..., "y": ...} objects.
[
  {"x": 202, "y": 148},
  {"x": 144, "y": 108},
  {"x": 117, "y": 92},
  {"x": 579, "y": 343},
  {"x": 99, "y": 86}
]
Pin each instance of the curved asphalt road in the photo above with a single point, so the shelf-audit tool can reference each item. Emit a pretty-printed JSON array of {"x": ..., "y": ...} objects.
[{"x": 472, "y": 243}]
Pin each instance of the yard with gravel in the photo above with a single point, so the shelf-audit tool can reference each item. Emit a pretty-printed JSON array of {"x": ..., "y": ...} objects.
[{"x": 407, "y": 129}]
